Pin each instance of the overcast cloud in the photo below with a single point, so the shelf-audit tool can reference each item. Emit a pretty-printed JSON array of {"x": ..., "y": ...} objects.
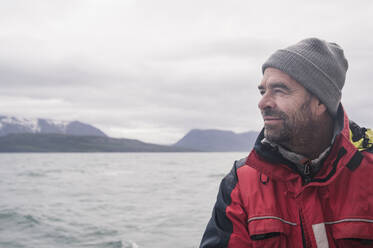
[{"x": 153, "y": 70}]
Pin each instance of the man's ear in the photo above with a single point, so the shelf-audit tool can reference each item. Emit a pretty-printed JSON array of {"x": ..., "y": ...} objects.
[{"x": 320, "y": 108}]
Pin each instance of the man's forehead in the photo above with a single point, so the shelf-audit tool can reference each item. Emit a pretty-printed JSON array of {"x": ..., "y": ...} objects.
[{"x": 273, "y": 76}]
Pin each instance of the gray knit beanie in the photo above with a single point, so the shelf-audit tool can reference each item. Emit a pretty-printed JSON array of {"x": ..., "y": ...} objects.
[{"x": 318, "y": 65}]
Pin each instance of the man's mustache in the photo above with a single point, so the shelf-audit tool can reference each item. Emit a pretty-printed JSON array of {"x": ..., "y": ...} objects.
[{"x": 273, "y": 113}]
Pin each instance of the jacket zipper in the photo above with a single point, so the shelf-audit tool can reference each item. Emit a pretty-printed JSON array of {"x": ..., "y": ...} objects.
[
  {"x": 307, "y": 172},
  {"x": 301, "y": 227},
  {"x": 307, "y": 167}
]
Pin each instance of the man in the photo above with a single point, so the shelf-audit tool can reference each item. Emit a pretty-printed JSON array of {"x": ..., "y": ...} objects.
[{"x": 308, "y": 182}]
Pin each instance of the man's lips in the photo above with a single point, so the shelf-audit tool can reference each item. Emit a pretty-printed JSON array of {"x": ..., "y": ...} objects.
[{"x": 270, "y": 119}]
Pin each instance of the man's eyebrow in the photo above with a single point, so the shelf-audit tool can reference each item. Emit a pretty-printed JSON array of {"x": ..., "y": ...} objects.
[
  {"x": 275, "y": 85},
  {"x": 279, "y": 85}
]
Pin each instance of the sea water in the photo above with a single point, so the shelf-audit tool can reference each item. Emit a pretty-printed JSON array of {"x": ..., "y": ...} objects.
[{"x": 108, "y": 200}]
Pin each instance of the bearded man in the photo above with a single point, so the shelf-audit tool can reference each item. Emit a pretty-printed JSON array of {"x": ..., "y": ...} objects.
[{"x": 308, "y": 180}]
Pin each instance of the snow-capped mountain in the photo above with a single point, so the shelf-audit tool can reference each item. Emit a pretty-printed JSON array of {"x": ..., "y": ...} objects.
[{"x": 10, "y": 124}]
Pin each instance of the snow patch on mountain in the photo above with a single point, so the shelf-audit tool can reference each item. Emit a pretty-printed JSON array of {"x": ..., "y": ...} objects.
[
  {"x": 60, "y": 124},
  {"x": 31, "y": 124},
  {"x": 10, "y": 124}
]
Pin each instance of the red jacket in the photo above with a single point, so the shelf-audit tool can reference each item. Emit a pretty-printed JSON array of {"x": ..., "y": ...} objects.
[{"x": 263, "y": 202}]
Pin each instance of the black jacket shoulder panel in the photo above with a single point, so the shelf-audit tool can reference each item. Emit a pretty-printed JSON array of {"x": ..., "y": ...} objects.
[
  {"x": 240, "y": 163},
  {"x": 220, "y": 227}
]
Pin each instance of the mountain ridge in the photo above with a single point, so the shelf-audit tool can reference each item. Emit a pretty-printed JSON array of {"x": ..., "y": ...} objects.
[{"x": 215, "y": 140}]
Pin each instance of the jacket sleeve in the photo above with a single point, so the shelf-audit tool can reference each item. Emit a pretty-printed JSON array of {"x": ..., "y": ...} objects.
[{"x": 228, "y": 224}]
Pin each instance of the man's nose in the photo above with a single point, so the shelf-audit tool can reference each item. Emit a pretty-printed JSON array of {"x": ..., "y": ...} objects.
[{"x": 266, "y": 102}]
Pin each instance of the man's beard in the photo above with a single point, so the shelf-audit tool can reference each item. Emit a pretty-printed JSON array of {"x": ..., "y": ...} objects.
[{"x": 295, "y": 128}]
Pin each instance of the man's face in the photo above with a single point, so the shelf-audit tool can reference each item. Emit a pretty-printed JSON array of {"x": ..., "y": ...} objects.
[{"x": 285, "y": 106}]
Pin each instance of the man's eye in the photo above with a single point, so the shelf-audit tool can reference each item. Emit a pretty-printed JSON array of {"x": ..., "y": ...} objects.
[
  {"x": 278, "y": 91},
  {"x": 262, "y": 92}
]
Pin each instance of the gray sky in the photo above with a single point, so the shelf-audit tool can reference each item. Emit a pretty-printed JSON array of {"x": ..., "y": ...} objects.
[{"x": 153, "y": 70}]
